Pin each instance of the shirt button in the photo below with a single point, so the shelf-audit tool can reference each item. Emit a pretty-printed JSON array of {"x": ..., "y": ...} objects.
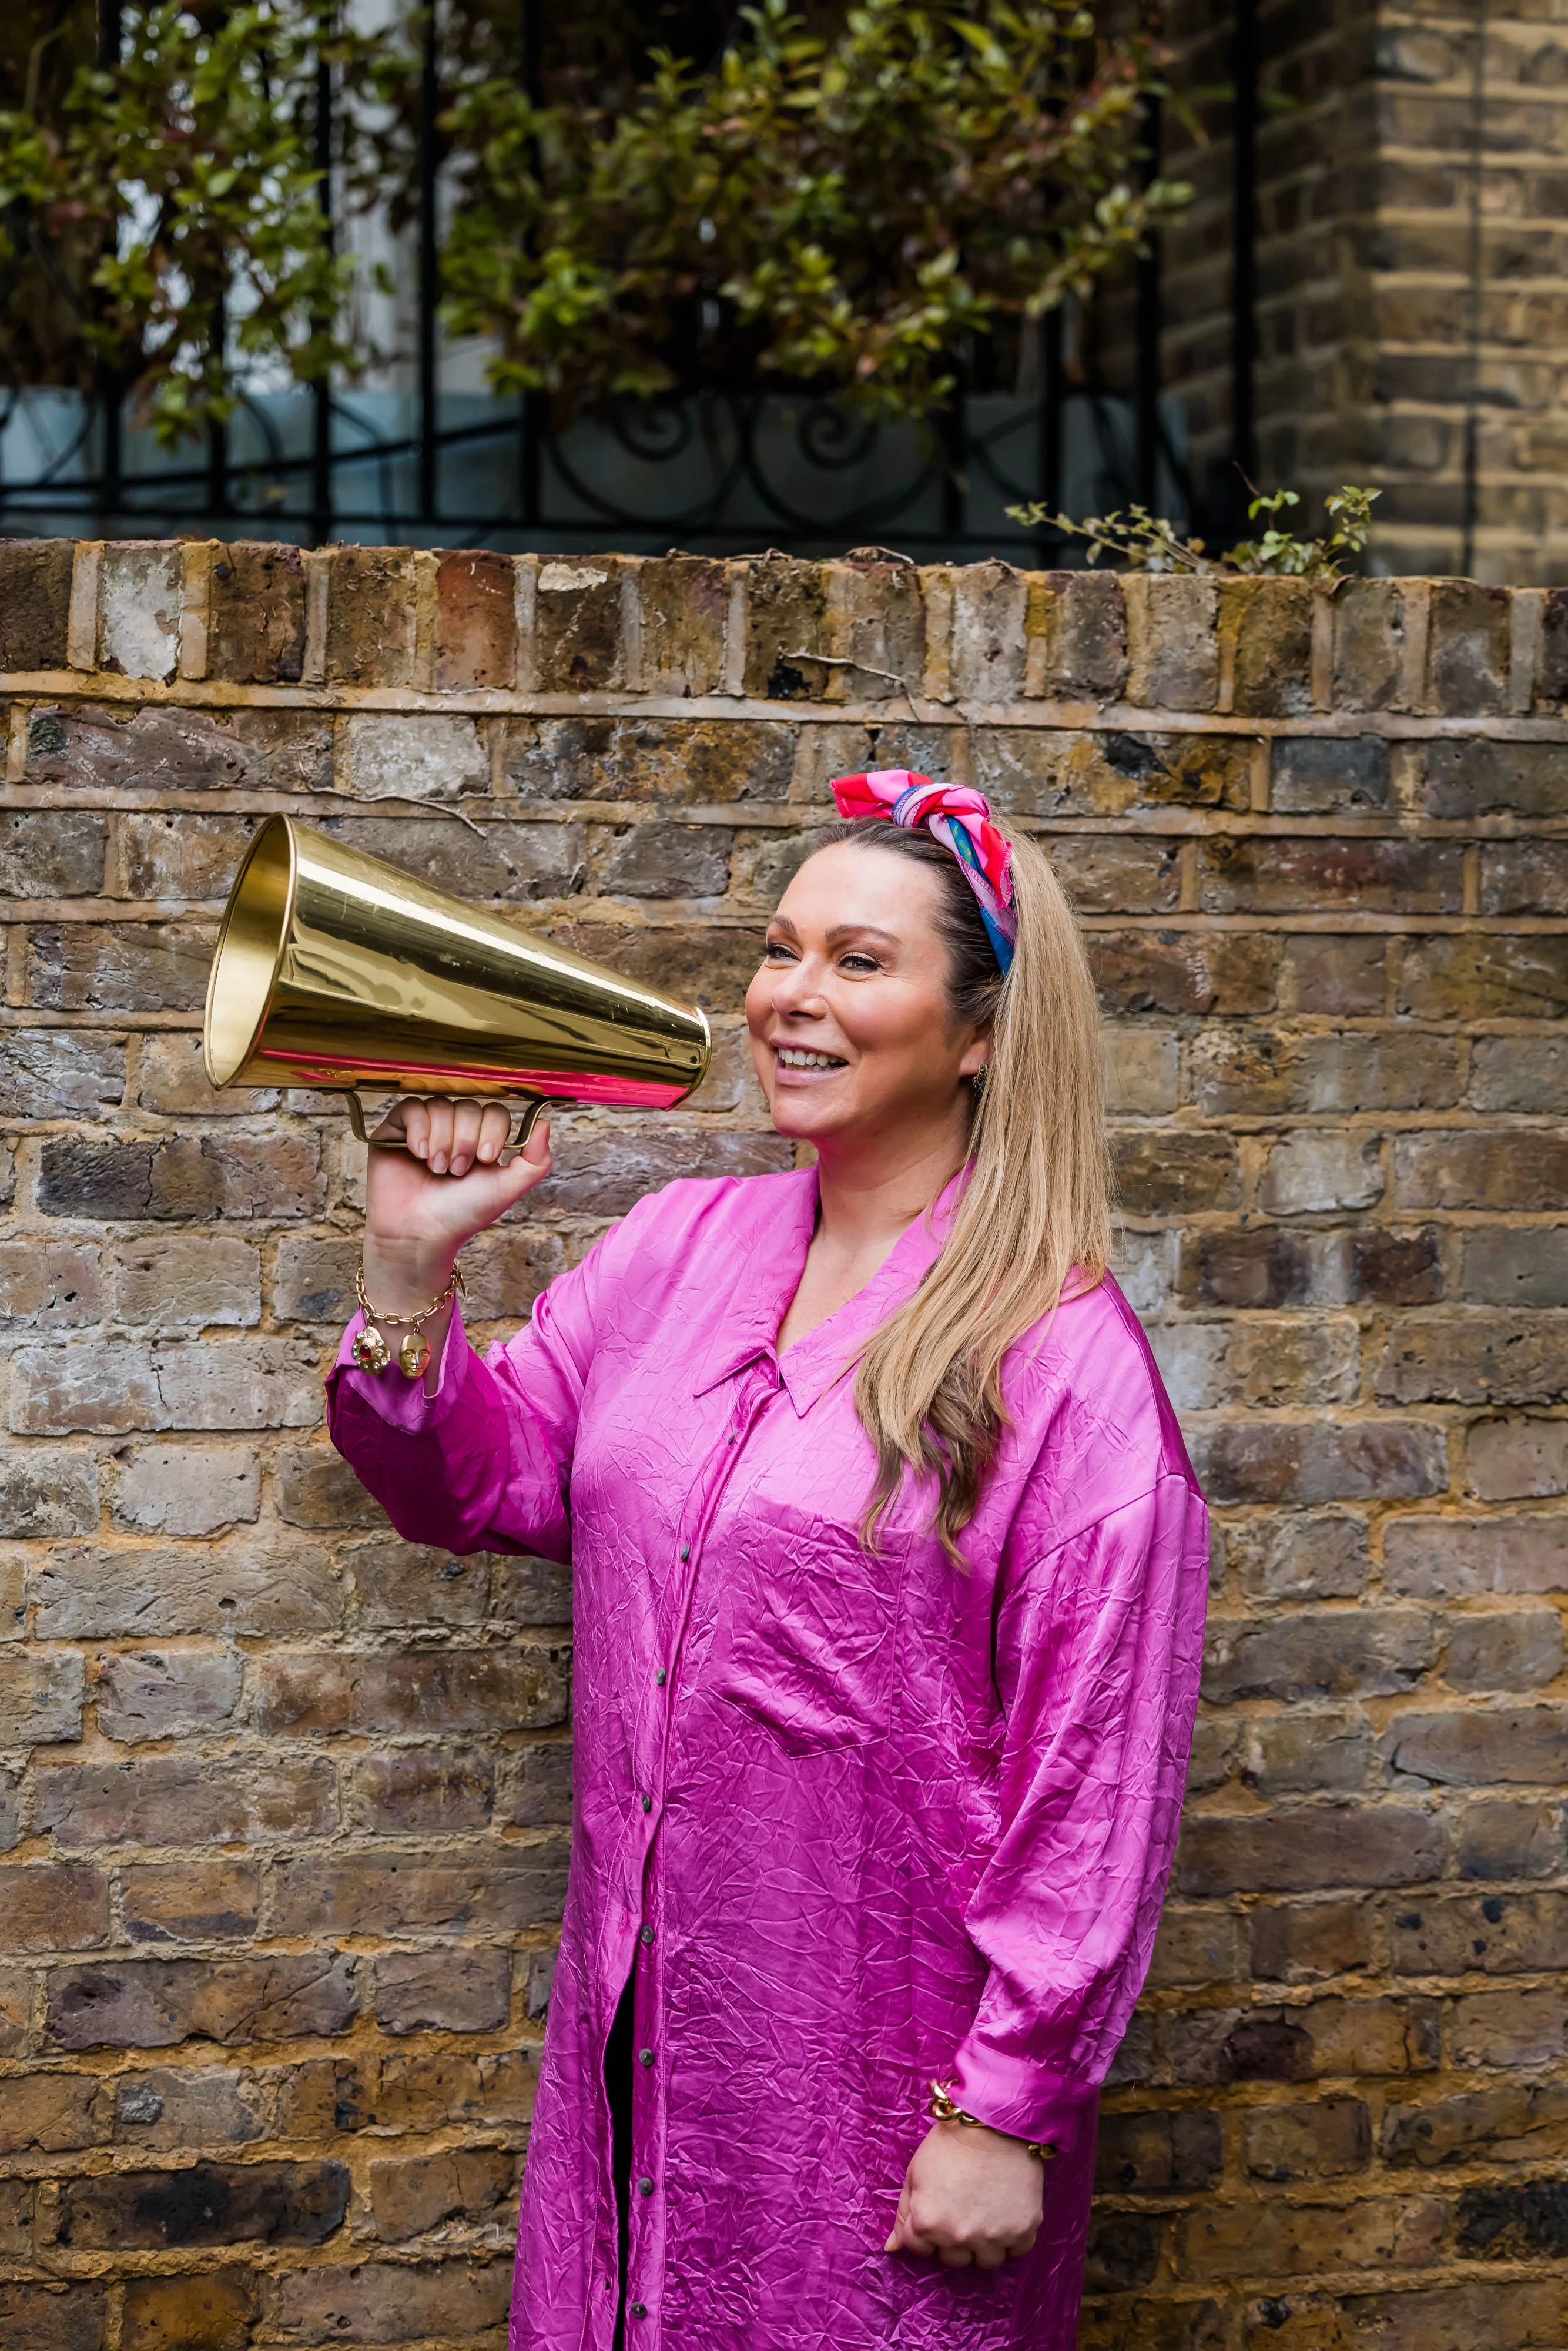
[
  {"x": 644, "y": 2056},
  {"x": 660, "y": 1678},
  {"x": 644, "y": 2187},
  {"x": 647, "y": 1804},
  {"x": 639, "y": 2310},
  {"x": 733, "y": 1438},
  {"x": 685, "y": 1551},
  {"x": 647, "y": 1935}
]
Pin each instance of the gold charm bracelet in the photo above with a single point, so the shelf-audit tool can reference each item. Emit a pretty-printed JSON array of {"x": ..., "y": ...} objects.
[
  {"x": 370, "y": 1350},
  {"x": 945, "y": 2111}
]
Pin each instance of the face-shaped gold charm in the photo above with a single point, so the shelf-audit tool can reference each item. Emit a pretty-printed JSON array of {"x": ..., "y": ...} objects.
[
  {"x": 412, "y": 1355},
  {"x": 370, "y": 1350}
]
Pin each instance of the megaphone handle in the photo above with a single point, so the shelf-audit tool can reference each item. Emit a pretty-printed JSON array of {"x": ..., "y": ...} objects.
[{"x": 532, "y": 1106}]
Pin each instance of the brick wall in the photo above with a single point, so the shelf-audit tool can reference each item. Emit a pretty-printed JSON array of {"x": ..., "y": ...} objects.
[
  {"x": 1411, "y": 269},
  {"x": 284, "y": 1799}
]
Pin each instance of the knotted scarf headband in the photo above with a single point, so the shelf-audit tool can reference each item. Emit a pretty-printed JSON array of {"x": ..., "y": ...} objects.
[{"x": 960, "y": 819}]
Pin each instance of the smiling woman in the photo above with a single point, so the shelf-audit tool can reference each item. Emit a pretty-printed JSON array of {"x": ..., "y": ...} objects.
[{"x": 890, "y": 1573}]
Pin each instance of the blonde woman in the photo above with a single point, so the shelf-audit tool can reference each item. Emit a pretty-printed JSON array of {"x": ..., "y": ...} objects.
[{"x": 890, "y": 1573}]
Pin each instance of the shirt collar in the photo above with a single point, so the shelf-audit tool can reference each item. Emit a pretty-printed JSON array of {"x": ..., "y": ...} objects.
[{"x": 769, "y": 1276}]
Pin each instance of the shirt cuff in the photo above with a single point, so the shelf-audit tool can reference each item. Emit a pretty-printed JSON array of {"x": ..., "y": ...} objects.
[
  {"x": 403, "y": 1403},
  {"x": 1015, "y": 2096}
]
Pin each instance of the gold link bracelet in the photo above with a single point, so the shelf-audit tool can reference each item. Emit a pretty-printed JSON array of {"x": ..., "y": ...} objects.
[
  {"x": 945, "y": 2111},
  {"x": 370, "y": 1350}
]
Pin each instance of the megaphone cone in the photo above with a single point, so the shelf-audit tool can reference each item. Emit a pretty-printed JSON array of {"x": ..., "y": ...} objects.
[{"x": 337, "y": 970}]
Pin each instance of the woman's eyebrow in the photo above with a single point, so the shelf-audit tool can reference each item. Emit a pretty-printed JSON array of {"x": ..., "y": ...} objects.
[{"x": 860, "y": 930}]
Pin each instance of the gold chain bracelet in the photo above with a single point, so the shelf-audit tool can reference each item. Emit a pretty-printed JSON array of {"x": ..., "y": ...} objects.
[
  {"x": 945, "y": 2111},
  {"x": 370, "y": 1350}
]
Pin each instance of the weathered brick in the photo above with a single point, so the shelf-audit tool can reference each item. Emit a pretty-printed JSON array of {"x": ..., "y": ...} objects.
[
  {"x": 184, "y": 1489},
  {"x": 166, "y": 2108},
  {"x": 669, "y": 861},
  {"x": 1509, "y": 1265},
  {"x": 1303, "y": 1942},
  {"x": 184, "y": 855},
  {"x": 213, "y": 2311},
  {"x": 1510, "y": 2028},
  {"x": 400, "y": 1583},
  {"x": 1240, "y": 875},
  {"x": 1527, "y": 1073},
  {"x": 1327, "y": 2037},
  {"x": 54, "y": 1909},
  {"x": 1472, "y": 1746},
  {"x": 1142, "y": 2154},
  {"x": 1163, "y": 2326},
  {"x": 1514, "y": 2123},
  {"x": 1368, "y": 643},
  {"x": 46, "y": 1490},
  {"x": 1324, "y": 2140},
  {"x": 386, "y": 756},
  {"x": 476, "y": 618},
  {"x": 1301, "y": 1753},
  {"x": 1273, "y": 1461},
  {"x": 1524, "y": 877},
  {"x": 1260, "y": 1071},
  {"x": 1173, "y": 648},
  {"x": 250, "y": 1585},
  {"x": 190, "y": 1901},
  {"x": 78, "y": 1074},
  {"x": 526, "y": 1591},
  {"x": 164, "y": 1800},
  {"x": 1319, "y": 1555},
  {"x": 157, "y": 2003},
  {"x": 1491, "y": 1934},
  {"x": 1516, "y": 1458},
  {"x": 255, "y": 617},
  {"x": 509, "y": 863},
  {"x": 1320, "y": 1845},
  {"x": 1270, "y": 628},
  {"x": 577, "y": 626},
  {"x": 442, "y": 1991},
  {"x": 203, "y": 2204},
  {"x": 1263, "y": 2239},
  {"x": 1035, "y": 772},
  {"x": 1367, "y": 1652},
  {"x": 1496, "y": 1359},
  {"x": 606, "y": 1173},
  {"x": 89, "y": 748},
  {"x": 1080, "y": 618},
  {"x": 540, "y": 1795},
  {"x": 1122, "y": 2251},
  {"x": 1502, "y": 1653},
  {"x": 52, "y": 854},
  {"x": 665, "y": 761},
  {"x": 1435, "y": 1559},
  {"x": 1483, "y": 976},
  {"x": 35, "y": 601},
  {"x": 118, "y": 967},
  {"x": 1467, "y": 648},
  {"x": 371, "y": 633},
  {"x": 1318, "y": 1170},
  {"x": 164, "y": 1694},
  {"x": 174, "y": 1079},
  {"x": 1344, "y": 976},
  {"x": 354, "y": 1894},
  {"x": 413, "y": 2193},
  {"x": 58, "y": 2316},
  {"x": 182, "y": 1282},
  {"x": 1469, "y": 775},
  {"x": 1194, "y": 1947},
  {"x": 139, "y": 608},
  {"x": 394, "y": 2302},
  {"x": 115, "y": 1388},
  {"x": 420, "y": 1791},
  {"x": 1325, "y": 774},
  {"x": 438, "y": 1690},
  {"x": 711, "y": 967},
  {"x": 40, "y": 1697},
  {"x": 685, "y": 602},
  {"x": 189, "y": 1176},
  {"x": 1521, "y": 1840},
  {"x": 51, "y": 2114},
  {"x": 1167, "y": 1172},
  {"x": 314, "y": 1487}
]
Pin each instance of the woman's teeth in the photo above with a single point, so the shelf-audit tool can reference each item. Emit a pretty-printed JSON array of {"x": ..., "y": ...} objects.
[{"x": 792, "y": 1057}]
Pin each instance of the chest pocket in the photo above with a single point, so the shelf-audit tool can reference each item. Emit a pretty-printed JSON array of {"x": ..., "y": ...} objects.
[{"x": 806, "y": 1623}]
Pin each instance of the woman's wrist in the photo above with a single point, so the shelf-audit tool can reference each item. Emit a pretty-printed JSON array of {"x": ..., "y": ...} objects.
[{"x": 402, "y": 1277}]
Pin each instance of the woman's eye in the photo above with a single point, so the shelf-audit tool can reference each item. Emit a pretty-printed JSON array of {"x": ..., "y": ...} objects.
[
  {"x": 776, "y": 952},
  {"x": 860, "y": 963}
]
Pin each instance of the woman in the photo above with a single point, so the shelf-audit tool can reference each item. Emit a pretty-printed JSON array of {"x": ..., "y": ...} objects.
[{"x": 889, "y": 1574}]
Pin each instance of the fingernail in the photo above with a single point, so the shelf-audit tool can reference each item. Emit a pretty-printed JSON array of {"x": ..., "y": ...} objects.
[{"x": 438, "y": 1165}]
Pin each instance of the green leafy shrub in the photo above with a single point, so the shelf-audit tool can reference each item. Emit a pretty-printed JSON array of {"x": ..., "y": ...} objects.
[{"x": 1146, "y": 542}]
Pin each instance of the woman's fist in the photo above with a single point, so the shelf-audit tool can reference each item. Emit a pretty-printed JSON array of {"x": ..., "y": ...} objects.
[
  {"x": 423, "y": 1204},
  {"x": 969, "y": 2196}
]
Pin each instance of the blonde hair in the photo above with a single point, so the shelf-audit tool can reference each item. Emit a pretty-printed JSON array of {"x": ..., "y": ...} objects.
[{"x": 1035, "y": 1215}]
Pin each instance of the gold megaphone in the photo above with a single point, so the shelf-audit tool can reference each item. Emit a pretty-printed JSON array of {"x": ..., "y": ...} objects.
[{"x": 336, "y": 971}]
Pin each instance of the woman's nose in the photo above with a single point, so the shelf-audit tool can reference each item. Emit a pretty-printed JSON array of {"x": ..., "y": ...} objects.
[{"x": 797, "y": 991}]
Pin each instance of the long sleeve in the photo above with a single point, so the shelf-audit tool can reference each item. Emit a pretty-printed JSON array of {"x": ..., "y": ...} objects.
[
  {"x": 1099, "y": 1648},
  {"x": 483, "y": 1464}
]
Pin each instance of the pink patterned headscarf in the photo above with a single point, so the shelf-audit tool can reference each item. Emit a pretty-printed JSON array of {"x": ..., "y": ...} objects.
[{"x": 960, "y": 819}]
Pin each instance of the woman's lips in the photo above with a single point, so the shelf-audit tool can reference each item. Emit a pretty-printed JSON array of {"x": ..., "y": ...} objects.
[{"x": 809, "y": 1070}]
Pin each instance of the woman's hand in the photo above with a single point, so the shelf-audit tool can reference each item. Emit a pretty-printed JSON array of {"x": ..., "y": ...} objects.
[
  {"x": 422, "y": 1204},
  {"x": 970, "y": 2195}
]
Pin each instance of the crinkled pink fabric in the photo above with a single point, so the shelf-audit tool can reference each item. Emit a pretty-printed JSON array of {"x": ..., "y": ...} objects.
[{"x": 854, "y": 1819}]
